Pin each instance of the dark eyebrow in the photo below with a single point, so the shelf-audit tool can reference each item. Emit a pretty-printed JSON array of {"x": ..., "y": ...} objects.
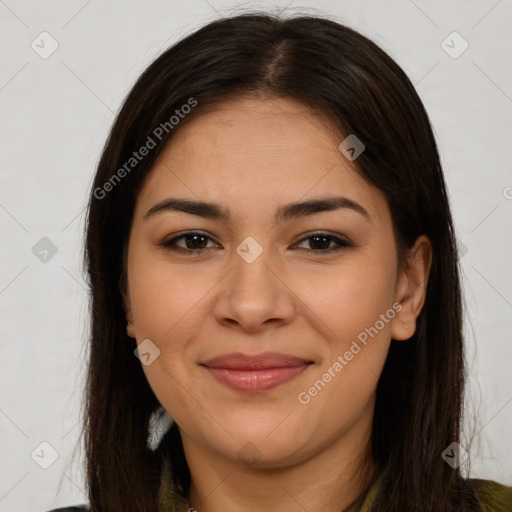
[{"x": 286, "y": 212}]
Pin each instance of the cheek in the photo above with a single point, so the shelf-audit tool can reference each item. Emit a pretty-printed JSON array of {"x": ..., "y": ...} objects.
[
  {"x": 168, "y": 310},
  {"x": 169, "y": 300},
  {"x": 354, "y": 305},
  {"x": 351, "y": 296}
]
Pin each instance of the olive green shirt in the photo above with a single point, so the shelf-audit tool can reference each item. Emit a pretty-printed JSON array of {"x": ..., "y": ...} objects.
[{"x": 492, "y": 496}]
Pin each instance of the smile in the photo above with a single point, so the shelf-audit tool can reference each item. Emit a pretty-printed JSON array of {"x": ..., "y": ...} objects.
[{"x": 255, "y": 373}]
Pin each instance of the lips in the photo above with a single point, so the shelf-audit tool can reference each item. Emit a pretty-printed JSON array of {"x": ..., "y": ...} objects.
[{"x": 257, "y": 373}]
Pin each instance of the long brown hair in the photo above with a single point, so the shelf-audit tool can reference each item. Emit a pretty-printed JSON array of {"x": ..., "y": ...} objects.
[{"x": 356, "y": 85}]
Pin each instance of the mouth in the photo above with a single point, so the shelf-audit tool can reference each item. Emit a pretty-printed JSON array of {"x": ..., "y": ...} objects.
[{"x": 254, "y": 374}]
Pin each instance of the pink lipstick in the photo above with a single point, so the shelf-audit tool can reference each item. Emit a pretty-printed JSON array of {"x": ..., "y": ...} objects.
[{"x": 258, "y": 373}]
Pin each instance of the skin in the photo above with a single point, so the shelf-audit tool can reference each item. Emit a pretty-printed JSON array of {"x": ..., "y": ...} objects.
[{"x": 252, "y": 156}]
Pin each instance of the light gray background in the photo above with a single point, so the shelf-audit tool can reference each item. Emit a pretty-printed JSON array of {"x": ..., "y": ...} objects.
[{"x": 55, "y": 114}]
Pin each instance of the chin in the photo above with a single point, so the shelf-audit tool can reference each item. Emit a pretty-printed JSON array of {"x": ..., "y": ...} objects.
[{"x": 257, "y": 445}]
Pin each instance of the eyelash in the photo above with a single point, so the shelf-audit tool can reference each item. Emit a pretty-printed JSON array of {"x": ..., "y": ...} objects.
[{"x": 171, "y": 244}]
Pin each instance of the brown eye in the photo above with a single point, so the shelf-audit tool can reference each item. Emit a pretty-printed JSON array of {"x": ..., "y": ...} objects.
[
  {"x": 321, "y": 243},
  {"x": 195, "y": 242}
]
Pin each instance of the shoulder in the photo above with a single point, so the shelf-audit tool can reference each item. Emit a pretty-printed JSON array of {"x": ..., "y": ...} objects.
[
  {"x": 74, "y": 508},
  {"x": 492, "y": 496}
]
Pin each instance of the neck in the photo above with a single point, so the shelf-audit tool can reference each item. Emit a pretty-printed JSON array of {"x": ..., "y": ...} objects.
[{"x": 329, "y": 480}]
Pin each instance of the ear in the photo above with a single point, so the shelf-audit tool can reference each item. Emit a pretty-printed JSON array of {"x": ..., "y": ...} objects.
[
  {"x": 127, "y": 305},
  {"x": 411, "y": 288}
]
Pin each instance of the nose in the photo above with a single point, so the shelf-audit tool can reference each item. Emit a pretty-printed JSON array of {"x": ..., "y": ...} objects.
[{"x": 255, "y": 296}]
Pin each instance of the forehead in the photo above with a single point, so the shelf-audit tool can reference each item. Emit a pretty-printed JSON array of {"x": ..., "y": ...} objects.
[
  {"x": 252, "y": 131},
  {"x": 254, "y": 153}
]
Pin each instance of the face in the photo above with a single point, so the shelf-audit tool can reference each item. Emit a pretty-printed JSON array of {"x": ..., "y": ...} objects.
[{"x": 268, "y": 327}]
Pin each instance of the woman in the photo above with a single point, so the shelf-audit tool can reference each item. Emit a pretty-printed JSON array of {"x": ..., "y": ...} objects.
[{"x": 272, "y": 262}]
